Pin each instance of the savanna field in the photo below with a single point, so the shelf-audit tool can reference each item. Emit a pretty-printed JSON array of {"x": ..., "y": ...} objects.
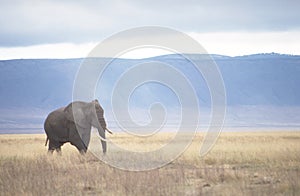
[{"x": 251, "y": 163}]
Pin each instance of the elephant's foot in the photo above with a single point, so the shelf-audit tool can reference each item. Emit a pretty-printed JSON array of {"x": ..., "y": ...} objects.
[
  {"x": 82, "y": 151},
  {"x": 58, "y": 150},
  {"x": 50, "y": 151}
]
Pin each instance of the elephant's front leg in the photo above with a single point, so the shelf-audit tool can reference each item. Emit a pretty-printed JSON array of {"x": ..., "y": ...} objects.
[
  {"x": 78, "y": 143},
  {"x": 86, "y": 137},
  {"x": 80, "y": 138}
]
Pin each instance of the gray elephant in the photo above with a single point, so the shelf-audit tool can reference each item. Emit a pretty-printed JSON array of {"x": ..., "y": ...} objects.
[{"x": 73, "y": 124}]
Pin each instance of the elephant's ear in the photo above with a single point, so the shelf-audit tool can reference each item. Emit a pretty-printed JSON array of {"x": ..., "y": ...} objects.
[
  {"x": 69, "y": 112},
  {"x": 75, "y": 112},
  {"x": 100, "y": 115}
]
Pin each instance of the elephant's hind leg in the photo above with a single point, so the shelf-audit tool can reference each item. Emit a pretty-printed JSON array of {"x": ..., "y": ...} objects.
[
  {"x": 54, "y": 145},
  {"x": 50, "y": 151},
  {"x": 58, "y": 150}
]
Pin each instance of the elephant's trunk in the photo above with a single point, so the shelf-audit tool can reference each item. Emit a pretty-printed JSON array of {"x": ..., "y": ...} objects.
[{"x": 103, "y": 138}]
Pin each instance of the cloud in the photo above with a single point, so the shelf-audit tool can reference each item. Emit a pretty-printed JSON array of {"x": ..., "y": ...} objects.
[
  {"x": 225, "y": 43},
  {"x": 59, "y": 51},
  {"x": 244, "y": 43},
  {"x": 32, "y": 22}
]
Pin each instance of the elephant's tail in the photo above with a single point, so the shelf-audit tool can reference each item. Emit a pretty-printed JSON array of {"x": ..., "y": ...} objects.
[{"x": 46, "y": 141}]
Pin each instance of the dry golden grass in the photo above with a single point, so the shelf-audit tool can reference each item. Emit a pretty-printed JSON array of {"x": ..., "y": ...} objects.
[{"x": 253, "y": 163}]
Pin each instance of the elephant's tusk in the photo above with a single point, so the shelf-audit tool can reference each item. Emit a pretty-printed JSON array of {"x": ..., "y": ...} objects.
[
  {"x": 109, "y": 131},
  {"x": 101, "y": 138}
]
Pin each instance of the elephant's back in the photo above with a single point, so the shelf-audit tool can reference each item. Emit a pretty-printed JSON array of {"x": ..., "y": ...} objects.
[{"x": 55, "y": 120}]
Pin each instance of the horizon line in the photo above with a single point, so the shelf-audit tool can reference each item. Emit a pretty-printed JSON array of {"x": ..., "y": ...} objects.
[{"x": 156, "y": 56}]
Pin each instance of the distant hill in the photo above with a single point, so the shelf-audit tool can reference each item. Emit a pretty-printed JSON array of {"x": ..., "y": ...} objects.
[{"x": 262, "y": 89}]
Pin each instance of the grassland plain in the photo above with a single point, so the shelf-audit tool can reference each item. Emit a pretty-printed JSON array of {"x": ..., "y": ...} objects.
[{"x": 241, "y": 163}]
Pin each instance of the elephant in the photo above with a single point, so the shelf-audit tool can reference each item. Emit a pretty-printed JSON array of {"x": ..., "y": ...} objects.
[{"x": 73, "y": 124}]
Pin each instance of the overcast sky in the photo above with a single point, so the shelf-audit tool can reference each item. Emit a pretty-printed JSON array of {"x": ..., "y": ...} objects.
[{"x": 66, "y": 28}]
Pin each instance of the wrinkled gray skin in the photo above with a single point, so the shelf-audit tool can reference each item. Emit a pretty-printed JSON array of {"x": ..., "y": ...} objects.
[{"x": 73, "y": 124}]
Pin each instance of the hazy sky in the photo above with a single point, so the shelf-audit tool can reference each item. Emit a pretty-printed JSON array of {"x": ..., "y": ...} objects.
[{"x": 66, "y": 28}]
